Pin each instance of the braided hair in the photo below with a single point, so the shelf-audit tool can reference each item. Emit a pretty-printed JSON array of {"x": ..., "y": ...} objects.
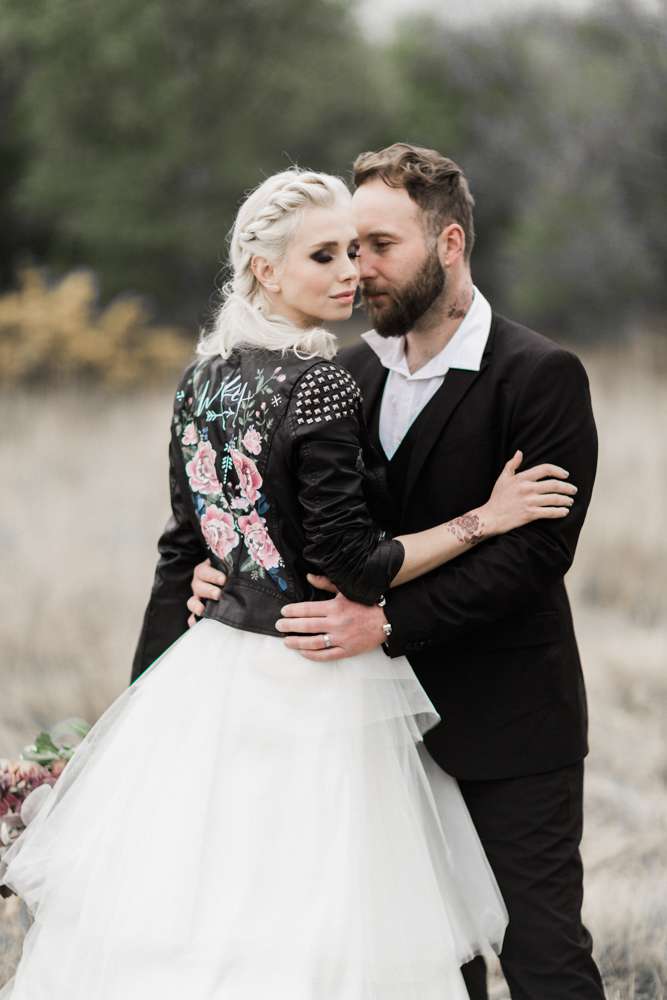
[{"x": 265, "y": 224}]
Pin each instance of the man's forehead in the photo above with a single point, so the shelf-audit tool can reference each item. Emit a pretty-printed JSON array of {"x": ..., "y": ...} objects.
[{"x": 378, "y": 207}]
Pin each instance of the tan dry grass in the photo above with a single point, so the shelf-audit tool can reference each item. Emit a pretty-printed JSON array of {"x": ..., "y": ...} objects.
[
  {"x": 83, "y": 498},
  {"x": 622, "y": 559}
]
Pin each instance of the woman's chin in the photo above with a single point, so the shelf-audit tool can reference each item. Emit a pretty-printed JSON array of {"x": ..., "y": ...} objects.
[{"x": 341, "y": 311}]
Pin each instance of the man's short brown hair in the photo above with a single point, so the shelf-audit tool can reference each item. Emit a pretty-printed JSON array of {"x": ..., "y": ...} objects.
[{"x": 434, "y": 182}]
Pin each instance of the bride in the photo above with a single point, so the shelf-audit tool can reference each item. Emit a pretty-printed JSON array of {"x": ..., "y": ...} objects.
[{"x": 241, "y": 822}]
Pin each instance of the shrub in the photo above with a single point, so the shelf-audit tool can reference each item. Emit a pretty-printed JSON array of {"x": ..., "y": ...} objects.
[{"x": 55, "y": 331}]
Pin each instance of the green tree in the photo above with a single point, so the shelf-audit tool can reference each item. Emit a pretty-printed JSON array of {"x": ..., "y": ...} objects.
[
  {"x": 146, "y": 122},
  {"x": 559, "y": 125}
]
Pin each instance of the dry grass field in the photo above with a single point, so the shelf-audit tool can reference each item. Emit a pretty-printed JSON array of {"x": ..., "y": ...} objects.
[{"x": 83, "y": 499}]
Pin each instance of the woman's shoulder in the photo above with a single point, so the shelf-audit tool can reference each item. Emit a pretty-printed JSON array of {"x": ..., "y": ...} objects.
[
  {"x": 326, "y": 375},
  {"x": 315, "y": 389},
  {"x": 303, "y": 382},
  {"x": 324, "y": 392}
]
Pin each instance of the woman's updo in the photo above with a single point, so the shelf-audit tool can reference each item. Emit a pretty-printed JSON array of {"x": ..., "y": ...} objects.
[{"x": 265, "y": 224}]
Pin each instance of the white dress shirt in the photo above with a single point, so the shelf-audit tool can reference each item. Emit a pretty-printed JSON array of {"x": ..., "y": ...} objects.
[{"x": 405, "y": 395}]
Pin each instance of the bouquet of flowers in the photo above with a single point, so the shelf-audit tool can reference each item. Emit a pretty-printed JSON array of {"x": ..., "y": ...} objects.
[{"x": 39, "y": 764}]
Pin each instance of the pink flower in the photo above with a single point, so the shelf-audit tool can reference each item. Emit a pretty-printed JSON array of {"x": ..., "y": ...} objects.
[
  {"x": 218, "y": 529},
  {"x": 9, "y": 803},
  {"x": 261, "y": 548},
  {"x": 252, "y": 441},
  {"x": 17, "y": 780},
  {"x": 7, "y": 776},
  {"x": 250, "y": 480},
  {"x": 201, "y": 470},
  {"x": 31, "y": 774},
  {"x": 190, "y": 435}
]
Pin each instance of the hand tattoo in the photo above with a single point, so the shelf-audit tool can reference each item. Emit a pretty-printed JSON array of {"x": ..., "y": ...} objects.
[{"x": 468, "y": 529}]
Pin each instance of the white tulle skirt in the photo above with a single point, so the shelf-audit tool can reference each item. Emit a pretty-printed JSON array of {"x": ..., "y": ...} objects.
[{"x": 242, "y": 824}]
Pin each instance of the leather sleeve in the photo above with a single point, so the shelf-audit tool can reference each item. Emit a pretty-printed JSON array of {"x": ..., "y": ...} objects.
[
  {"x": 180, "y": 548},
  {"x": 343, "y": 541},
  {"x": 552, "y": 422}
]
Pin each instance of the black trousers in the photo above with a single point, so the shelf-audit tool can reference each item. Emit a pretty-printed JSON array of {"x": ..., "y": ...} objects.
[{"x": 531, "y": 829}]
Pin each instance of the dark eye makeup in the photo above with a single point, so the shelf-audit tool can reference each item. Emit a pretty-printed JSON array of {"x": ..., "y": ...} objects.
[{"x": 325, "y": 256}]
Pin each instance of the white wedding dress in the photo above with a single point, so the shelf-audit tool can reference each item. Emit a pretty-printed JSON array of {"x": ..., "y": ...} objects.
[{"x": 244, "y": 824}]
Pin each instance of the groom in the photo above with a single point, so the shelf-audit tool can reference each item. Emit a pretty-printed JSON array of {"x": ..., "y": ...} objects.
[{"x": 451, "y": 390}]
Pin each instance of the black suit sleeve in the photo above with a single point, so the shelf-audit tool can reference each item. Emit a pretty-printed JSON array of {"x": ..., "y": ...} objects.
[
  {"x": 552, "y": 421},
  {"x": 180, "y": 548},
  {"x": 342, "y": 541}
]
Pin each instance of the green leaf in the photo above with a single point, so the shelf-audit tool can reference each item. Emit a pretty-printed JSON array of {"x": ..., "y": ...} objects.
[{"x": 44, "y": 744}]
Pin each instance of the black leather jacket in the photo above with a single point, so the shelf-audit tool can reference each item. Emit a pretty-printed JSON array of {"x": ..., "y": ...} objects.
[{"x": 272, "y": 476}]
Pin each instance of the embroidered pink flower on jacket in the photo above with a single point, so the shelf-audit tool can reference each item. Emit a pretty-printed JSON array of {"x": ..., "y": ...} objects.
[
  {"x": 218, "y": 529},
  {"x": 190, "y": 435},
  {"x": 252, "y": 441},
  {"x": 250, "y": 480},
  {"x": 261, "y": 548},
  {"x": 201, "y": 470}
]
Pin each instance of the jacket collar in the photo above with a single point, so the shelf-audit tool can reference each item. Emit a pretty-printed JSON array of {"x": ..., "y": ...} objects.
[
  {"x": 432, "y": 421},
  {"x": 464, "y": 351}
]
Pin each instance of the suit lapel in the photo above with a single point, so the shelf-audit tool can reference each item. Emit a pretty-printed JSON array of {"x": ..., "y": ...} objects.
[
  {"x": 406, "y": 465},
  {"x": 432, "y": 422}
]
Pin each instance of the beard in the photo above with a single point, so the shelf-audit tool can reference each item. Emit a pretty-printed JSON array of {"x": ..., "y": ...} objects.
[{"x": 403, "y": 307}]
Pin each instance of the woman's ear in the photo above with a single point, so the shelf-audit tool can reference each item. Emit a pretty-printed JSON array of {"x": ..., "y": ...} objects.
[{"x": 265, "y": 273}]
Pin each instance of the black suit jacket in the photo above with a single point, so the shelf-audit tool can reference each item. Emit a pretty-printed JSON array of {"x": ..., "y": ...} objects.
[{"x": 490, "y": 634}]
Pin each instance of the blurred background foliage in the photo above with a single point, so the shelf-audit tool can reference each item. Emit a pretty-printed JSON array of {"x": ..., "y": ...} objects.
[{"x": 131, "y": 131}]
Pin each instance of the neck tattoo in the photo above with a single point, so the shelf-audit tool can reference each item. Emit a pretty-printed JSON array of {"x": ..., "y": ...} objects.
[
  {"x": 460, "y": 306},
  {"x": 456, "y": 312}
]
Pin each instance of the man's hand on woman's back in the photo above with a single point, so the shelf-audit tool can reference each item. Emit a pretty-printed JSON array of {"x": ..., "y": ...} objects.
[{"x": 207, "y": 584}]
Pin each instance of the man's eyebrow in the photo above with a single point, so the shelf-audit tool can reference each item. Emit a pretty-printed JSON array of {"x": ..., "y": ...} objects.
[{"x": 376, "y": 233}]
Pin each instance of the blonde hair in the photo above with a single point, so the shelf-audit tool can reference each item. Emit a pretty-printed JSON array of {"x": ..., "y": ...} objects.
[{"x": 264, "y": 225}]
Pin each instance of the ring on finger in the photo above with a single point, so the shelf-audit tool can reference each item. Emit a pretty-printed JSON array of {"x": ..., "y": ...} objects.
[{"x": 327, "y": 641}]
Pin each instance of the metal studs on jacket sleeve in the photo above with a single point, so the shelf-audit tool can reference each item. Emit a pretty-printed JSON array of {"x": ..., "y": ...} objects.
[{"x": 325, "y": 393}]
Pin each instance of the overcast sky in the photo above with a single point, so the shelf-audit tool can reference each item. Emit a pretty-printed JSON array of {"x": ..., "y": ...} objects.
[{"x": 378, "y": 15}]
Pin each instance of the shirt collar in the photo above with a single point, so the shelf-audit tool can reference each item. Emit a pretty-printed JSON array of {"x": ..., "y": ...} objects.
[{"x": 464, "y": 350}]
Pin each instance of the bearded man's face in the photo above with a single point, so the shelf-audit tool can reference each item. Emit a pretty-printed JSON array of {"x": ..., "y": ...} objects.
[
  {"x": 401, "y": 274},
  {"x": 394, "y": 310}
]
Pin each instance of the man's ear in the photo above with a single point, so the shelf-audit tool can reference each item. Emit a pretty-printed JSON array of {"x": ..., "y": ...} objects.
[
  {"x": 265, "y": 272},
  {"x": 451, "y": 244}
]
